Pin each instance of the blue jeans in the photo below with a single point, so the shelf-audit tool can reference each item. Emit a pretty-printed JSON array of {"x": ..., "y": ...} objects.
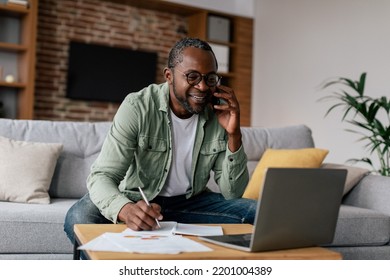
[{"x": 206, "y": 208}]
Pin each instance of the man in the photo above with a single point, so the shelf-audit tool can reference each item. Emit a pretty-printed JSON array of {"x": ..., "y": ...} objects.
[{"x": 166, "y": 139}]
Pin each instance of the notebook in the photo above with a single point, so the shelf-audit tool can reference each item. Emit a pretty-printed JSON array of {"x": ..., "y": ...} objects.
[{"x": 298, "y": 208}]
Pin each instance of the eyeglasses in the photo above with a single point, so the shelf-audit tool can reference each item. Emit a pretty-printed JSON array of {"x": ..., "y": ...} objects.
[{"x": 194, "y": 78}]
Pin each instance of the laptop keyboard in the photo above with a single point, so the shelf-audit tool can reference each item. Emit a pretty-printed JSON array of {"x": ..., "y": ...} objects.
[{"x": 243, "y": 240}]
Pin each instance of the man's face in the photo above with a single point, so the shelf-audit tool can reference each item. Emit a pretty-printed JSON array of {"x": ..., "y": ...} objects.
[{"x": 186, "y": 99}]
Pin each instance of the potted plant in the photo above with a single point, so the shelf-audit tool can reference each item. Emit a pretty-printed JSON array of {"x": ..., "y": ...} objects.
[{"x": 370, "y": 115}]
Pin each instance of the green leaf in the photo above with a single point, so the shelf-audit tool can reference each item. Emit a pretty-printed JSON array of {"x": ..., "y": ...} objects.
[
  {"x": 360, "y": 88},
  {"x": 362, "y": 111}
]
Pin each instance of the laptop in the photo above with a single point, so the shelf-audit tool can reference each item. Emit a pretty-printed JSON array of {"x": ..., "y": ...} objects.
[{"x": 298, "y": 208}]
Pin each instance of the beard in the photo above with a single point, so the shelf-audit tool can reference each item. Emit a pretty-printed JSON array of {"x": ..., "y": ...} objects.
[{"x": 184, "y": 101}]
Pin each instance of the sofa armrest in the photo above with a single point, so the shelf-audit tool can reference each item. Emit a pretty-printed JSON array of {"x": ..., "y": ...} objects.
[{"x": 372, "y": 192}]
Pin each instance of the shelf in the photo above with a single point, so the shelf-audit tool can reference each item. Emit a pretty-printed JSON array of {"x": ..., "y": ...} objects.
[
  {"x": 164, "y": 6},
  {"x": 12, "y": 10},
  {"x": 10, "y": 47},
  {"x": 227, "y": 74},
  {"x": 21, "y": 104},
  {"x": 229, "y": 44},
  {"x": 12, "y": 85}
]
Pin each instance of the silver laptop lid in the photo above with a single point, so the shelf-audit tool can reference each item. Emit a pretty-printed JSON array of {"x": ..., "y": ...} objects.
[{"x": 298, "y": 208}]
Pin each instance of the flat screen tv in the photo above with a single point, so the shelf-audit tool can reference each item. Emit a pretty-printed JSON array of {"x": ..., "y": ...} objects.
[{"x": 102, "y": 73}]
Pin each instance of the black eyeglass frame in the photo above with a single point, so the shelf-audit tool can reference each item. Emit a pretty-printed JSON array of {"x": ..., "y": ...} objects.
[{"x": 202, "y": 77}]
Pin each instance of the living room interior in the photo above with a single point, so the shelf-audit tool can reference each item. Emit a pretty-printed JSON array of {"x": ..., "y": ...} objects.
[
  {"x": 324, "y": 42},
  {"x": 294, "y": 47}
]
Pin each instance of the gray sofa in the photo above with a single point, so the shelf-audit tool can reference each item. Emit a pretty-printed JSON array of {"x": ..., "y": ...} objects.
[{"x": 35, "y": 231}]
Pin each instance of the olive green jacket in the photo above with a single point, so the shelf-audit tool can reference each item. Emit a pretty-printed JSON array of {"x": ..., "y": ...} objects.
[{"x": 138, "y": 152}]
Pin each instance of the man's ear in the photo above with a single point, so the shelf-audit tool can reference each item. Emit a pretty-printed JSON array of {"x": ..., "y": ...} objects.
[{"x": 168, "y": 75}]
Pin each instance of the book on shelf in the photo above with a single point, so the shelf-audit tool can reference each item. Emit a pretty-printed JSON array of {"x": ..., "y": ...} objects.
[{"x": 222, "y": 54}]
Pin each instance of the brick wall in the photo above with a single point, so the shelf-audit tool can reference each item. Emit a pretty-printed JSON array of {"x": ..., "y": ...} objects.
[{"x": 93, "y": 21}]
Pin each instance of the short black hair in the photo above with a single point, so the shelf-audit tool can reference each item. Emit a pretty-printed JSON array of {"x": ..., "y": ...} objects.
[{"x": 176, "y": 53}]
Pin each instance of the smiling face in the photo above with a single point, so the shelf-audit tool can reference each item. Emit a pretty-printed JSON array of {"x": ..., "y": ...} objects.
[{"x": 185, "y": 99}]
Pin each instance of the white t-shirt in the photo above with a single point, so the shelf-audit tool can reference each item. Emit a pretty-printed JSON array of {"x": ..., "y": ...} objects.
[{"x": 183, "y": 139}]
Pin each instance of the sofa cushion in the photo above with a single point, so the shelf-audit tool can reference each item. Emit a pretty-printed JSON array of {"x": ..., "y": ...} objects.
[
  {"x": 361, "y": 227},
  {"x": 372, "y": 192},
  {"x": 82, "y": 143},
  {"x": 364, "y": 253},
  {"x": 310, "y": 158},
  {"x": 258, "y": 139},
  {"x": 26, "y": 170},
  {"x": 34, "y": 228}
]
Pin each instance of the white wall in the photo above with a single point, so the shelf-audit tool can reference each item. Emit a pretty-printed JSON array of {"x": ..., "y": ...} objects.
[
  {"x": 301, "y": 43},
  {"x": 298, "y": 44}
]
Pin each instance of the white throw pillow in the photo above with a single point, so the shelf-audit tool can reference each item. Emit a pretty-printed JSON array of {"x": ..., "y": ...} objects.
[{"x": 26, "y": 170}]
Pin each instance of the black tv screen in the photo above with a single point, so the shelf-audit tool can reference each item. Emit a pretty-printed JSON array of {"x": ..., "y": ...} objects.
[{"x": 102, "y": 73}]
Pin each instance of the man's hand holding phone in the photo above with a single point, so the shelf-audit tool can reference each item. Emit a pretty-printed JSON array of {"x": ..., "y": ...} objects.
[{"x": 227, "y": 110}]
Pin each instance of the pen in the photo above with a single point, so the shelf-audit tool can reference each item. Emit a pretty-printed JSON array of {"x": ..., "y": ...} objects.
[{"x": 147, "y": 203}]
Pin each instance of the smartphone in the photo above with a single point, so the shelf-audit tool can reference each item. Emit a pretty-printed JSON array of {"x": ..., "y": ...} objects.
[
  {"x": 214, "y": 100},
  {"x": 217, "y": 101}
]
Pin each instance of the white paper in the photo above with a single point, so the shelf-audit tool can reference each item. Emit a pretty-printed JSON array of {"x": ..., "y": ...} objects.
[
  {"x": 191, "y": 229},
  {"x": 120, "y": 242},
  {"x": 171, "y": 228},
  {"x": 167, "y": 229},
  {"x": 164, "y": 240}
]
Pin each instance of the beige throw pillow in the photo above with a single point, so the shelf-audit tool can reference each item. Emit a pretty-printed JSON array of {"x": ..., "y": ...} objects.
[
  {"x": 354, "y": 174},
  {"x": 26, "y": 170}
]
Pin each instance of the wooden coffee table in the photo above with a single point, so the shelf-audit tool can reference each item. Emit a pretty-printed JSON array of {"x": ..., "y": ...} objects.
[{"x": 86, "y": 232}]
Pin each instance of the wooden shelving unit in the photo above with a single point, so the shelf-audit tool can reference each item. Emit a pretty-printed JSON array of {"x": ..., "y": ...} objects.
[
  {"x": 239, "y": 76},
  {"x": 25, "y": 55}
]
